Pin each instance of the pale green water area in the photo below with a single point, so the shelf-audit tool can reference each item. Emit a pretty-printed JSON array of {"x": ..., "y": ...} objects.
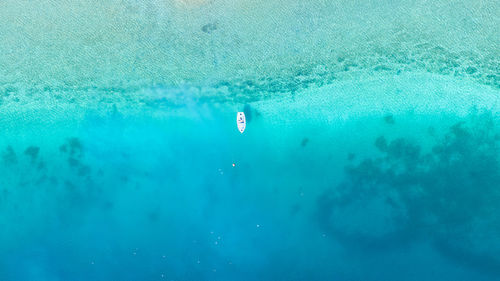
[{"x": 371, "y": 149}]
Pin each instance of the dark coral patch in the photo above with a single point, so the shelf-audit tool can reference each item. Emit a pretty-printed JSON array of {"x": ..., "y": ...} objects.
[
  {"x": 9, "y": 156},
  {"x": 75, "y": 146},
  {"x": 32, "y": 152},
  {"x": 448, "y": 195},
  {"x": 209, "y": 28}
]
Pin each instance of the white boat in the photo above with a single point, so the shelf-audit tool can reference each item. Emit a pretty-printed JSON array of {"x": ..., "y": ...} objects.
[{"x": 241, "y": 121}]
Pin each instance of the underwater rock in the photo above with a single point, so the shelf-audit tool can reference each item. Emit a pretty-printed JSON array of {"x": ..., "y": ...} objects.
[
  {"x": 73, "y": 162},
  {"x": 41, "y": 165},
  {"x": 389, "y": 119},
  {"x": 32, "y": 152},
  {"x": 381, "y": 143},
  {"x": 73, "y": 146},
  {"x": 84, "y": 170},
  {"x": 9, "y": 156},
  {"x": 304, "y": 142},
  {"x": 209, "y": 28}
]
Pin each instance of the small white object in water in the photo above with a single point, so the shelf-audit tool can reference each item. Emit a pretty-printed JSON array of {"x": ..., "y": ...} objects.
[{"x": 241, "y": 121}]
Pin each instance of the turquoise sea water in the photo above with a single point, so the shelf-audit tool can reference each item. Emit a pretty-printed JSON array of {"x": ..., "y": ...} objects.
[{"x": 372, "y": 148}]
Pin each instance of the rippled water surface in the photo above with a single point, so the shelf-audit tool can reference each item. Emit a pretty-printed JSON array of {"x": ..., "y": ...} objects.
[{"x": 371, "y": 152}]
